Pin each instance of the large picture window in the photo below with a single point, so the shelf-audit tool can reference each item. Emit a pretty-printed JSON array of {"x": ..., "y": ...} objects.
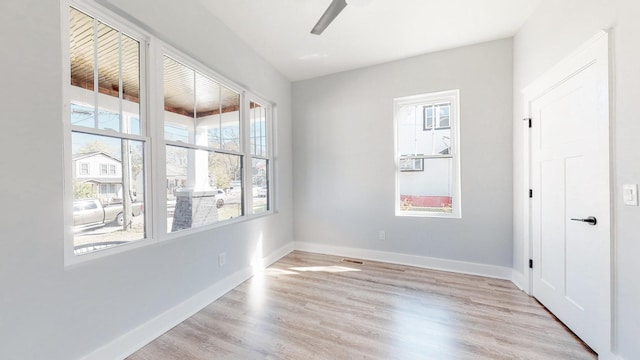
[{"x": 427, "y": 155}]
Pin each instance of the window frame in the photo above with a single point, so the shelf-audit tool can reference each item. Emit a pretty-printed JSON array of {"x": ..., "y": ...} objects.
[
  {"x": 160, "y": 50},
  {"x": 425, "y": 100},
  {"x": 151, "y": 118},
  {"x": 106, "y": 17},
  {"x": 269, "y": 156},
  {"x": 176, "y": 55}
]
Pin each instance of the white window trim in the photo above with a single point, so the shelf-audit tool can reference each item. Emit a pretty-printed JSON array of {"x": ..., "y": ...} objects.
[
  {"x": 270, "y": 124},
  {"x": 245, "y": 97},
  {"x": 108, "y": 18},
  {"x": 452, "y": 96},
  {"x": 152, "y": 51}
]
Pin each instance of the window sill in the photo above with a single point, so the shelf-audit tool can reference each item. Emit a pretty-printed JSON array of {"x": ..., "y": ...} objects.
[
  {"x": 73, "y": 260},
  {"x": 428, "y": 214}
]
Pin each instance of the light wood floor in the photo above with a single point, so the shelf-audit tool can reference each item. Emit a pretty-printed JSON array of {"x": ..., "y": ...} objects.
[{"x": 309, "y": 306}]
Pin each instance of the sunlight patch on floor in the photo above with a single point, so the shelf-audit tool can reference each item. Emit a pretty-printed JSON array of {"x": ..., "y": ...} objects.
[{"x": 329, "y": 269}]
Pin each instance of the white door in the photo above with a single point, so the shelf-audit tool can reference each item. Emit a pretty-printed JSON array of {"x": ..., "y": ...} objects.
[{"x": 570, "y": 214}]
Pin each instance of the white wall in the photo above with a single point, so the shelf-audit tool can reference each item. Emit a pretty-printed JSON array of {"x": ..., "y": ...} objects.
[
  {"x": 344, "y": 156},
  {"x": 47, "y": 311},
  {"x": 553, "y": 32}
]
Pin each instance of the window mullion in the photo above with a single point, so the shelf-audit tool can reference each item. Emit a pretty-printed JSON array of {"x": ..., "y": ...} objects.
[
  {"x": 245, "y": 129},
  {"x": 123, "y": 127},
  {"x": 108, "y": 133},
  {"x": 96, "y": 80}
]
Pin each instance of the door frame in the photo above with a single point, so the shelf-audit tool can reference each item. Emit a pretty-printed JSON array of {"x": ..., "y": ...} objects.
[{"x": 597, "y": 46}]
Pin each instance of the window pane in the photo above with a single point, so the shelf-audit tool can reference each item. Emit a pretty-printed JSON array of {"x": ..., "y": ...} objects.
[
  {"x": 81, "y": 53},
  {"x": 428, "y": 117},
  {"x": 81, "y": 49},
  {"x": 131, "y": 84},
  {"x": 441, "y": 141},
  {"x": 82, "y": 115},
  {"x": 113, "y": 74},
  {"x": 218, "y": 115},
  {"x": 258, "y": 129},
  {"x": 415, "y": 139},
  {"x": 260, "y": 183},
  {"x": 227, "y": 171},
  {"x": 197, "y": 186},
  {"x": 429, "y": 189},
  {"x": 108, "y": 76},
  {"x": 443, "y": 115},
  {"x": 207, "y": 112},
  {"x": 112, "y": 187},
  {"x": 179, "y": 101},
  {"x": 109, "y": 120},
  {"x": 230, "y": 119}
]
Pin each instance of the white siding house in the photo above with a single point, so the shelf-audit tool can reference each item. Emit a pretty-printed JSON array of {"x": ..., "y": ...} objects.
[{"x": 102, "y": 171}]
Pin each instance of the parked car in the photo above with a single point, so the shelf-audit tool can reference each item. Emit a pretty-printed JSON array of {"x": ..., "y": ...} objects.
[{"x": 90, "y": 212}]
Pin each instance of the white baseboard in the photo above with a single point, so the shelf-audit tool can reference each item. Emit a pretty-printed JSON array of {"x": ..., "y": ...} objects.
[
  {"x": 462, "y": 267},
  {"x": 135, "y": 339},
  {"x": 519, "y": 280},
  {"x": 609, "y": 356}
]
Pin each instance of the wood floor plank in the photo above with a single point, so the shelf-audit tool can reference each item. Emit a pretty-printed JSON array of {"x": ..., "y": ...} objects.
[{"x": 310, "y": 306}]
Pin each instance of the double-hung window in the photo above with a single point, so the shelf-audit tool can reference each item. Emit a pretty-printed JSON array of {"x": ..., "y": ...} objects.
[
  {"x": 260, "y": 153},
  {"x": 203, "y": 145},
  {"x": 104, "y": 108},
  {"x": 427, "y": 155}
]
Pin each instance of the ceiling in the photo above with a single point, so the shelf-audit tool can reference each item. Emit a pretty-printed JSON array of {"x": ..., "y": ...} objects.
[{"x": 363, "y": 35}]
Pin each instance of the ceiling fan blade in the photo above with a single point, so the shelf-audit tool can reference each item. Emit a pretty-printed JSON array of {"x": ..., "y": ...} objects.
[{"x": 332, "y": 11}]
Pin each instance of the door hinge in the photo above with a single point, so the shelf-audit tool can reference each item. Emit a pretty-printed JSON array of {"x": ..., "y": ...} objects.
[
  {"x": 530, "y": 263},
  {"x": 530, "y": 193},
  {"x": 528, "y": 120}
]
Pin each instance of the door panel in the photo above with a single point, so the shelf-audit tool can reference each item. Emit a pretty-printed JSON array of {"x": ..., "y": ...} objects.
[
  {"x": 552, "y": 249},
  {"x": 570, "y": 178}
]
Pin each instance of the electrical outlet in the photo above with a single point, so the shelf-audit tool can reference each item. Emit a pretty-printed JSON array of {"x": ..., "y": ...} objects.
[
  {"x": 382, "y": 235},
  {"x": 222, "y": 259}
]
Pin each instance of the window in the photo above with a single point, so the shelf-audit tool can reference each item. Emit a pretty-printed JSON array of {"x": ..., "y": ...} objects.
[
  {"x": 427, "y": 155},
  {"x": 104, "y": 121},
  {"x": 84, "y": 168},
  {"x": 213, "y": 140},
  {"x": 203, "y": 148},
  {"x": 109, "y": 192},
  {"x": 259, "y": 124},
  {"x": 436, "y": 116}
]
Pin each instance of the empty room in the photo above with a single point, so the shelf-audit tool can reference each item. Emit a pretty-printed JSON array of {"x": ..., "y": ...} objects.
[{"x": 320, "y": 179}]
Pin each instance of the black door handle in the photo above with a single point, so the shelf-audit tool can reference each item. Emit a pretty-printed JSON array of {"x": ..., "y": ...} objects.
[{"x": 591, "y": 220}]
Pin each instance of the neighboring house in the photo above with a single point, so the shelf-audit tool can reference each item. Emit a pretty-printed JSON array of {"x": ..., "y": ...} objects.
[{"x": 102, "y": 171}]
